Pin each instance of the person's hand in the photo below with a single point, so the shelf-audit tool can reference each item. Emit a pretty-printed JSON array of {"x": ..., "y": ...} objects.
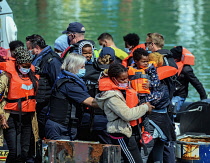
[
  {"x": 145, "y": 85},
  {"x": 3, "y": 122},
  {"x": 150, "y": 107}
]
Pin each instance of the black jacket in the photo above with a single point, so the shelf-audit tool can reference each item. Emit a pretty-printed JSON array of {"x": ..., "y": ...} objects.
[
  {"x": 169, "y": 61},
  {"x": 187, "y": 76}
]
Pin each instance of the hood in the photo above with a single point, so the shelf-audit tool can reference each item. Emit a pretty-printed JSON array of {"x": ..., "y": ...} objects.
[
  {"x": 102, "y": 97},
  {"x": 165, "y": 52}
]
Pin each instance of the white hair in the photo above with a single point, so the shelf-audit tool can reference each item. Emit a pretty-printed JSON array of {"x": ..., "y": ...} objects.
[{"x": 73, "y": 62}]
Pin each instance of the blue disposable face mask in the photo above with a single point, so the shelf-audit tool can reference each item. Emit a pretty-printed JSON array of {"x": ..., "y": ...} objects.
[
  {"x": 127, "y": 50},
  {"x": 81, "y": 73},
  {"x": 147, "y": 49},
  {"x": 24, "y": 70}
]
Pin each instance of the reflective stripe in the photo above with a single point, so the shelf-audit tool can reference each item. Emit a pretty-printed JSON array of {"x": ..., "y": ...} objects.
[{"x": 126, "y": 151}]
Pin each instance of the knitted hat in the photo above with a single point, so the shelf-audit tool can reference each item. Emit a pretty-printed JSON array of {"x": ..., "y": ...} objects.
[
  {"x": 22, "y": 55},
  {"x": 177, "y": 52}
]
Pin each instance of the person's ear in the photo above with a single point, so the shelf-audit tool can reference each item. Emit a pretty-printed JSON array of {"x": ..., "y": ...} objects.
[{"x": 105, "y": 41}]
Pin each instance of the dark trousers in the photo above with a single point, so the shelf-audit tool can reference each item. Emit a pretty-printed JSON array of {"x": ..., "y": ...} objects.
[
  {"x": 56, "y": 131},
  {"x": 169, "y": 153},
  {"x": 129, "y": 149},
  {"x": 10, "y": 136},
  {"x": 41, "y": 110},
  {"x": 155, "y": 149},
  {"x": 156, "y": 154}
]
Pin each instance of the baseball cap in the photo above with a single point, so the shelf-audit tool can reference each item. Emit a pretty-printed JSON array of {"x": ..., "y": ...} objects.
[
  {"x": 75, "y": 27},
  {"x": 107, "y": 50}
]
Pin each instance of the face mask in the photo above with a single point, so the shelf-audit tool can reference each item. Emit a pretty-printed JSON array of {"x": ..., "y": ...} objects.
[
  {"x": 31, "y": 54},
  {"x": 101, "y": 46},
  {"x": 59, "y": 54},
  {"x": 123, "y": 85},
  {"x": 127, "y": 50},
  {"x": 81, "y": 73},
  {"x": 24, "y": 70},
  {"x": 147, "y": 49}
]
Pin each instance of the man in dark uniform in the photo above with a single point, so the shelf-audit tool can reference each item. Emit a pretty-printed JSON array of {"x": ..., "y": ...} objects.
[
  {"x": 76, "y": 34},
  {"x": 47, "y": 65}
]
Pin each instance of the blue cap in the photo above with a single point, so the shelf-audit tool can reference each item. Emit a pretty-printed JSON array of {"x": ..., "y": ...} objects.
[
  {"x": 107, "y": 50},
  {"x": 75, "y": 27}
]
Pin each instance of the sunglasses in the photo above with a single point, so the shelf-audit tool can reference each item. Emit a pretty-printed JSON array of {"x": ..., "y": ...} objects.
[{"x": 147, "y": 43}]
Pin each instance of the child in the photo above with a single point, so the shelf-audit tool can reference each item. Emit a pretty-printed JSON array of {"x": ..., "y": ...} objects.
[
  {"x": 148, "y": 82},
  {"x": 115, "y": 100},
  {"x": 106, "y": 56},
  {"x": 86, "y": 49},
  {"x": 160, "y": 125}
]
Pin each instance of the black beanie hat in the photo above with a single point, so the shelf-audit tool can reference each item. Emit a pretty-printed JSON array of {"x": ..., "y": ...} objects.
[{"x": 177, "y": 52}]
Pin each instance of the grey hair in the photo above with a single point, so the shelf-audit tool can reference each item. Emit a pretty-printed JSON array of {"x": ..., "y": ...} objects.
[{"x": 73, "y": 62}]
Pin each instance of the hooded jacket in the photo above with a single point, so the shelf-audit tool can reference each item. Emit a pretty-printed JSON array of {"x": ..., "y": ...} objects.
[{"x": 118, "y": 113}]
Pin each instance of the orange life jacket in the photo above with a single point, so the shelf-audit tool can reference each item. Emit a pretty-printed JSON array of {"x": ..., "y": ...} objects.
[
  {"x": 138, "y": 77},
  {"x": 125, "y": 61},
  {"x": 187, "y": 59},
  {"x": 20, "y": 91},
  {"x": 166, "y": 71},
  {"x": 106, "y": 84}
]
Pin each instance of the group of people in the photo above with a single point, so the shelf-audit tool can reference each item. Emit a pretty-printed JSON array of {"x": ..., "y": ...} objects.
[{"x": 76, "y": 92}]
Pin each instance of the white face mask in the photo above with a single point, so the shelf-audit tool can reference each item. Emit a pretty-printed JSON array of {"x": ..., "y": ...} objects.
[
  {"x": 59, "y": 53},
  {"x": 127, "y": 50},
  {"x": 24, "y": 70},
  {"x": 123, "y": 85}
]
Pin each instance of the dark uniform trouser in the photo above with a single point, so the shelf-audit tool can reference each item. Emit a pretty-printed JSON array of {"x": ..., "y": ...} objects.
[{"x": 41, "y": 109}]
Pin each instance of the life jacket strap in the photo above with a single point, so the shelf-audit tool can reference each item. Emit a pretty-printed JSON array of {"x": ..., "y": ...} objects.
[
  {"x": 20, "y": 99},
  {"x": 138, "y": 75}
]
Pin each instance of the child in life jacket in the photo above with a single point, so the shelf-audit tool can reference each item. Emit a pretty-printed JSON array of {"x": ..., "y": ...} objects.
[
  {"x": 120, "y": 104},
  {"x": 144, "y": 77}
]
